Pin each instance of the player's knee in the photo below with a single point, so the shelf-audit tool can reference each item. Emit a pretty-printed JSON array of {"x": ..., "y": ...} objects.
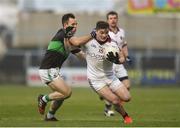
[
  {"x": 128, "y": 86},
  {"x": 68, "y": 95},
  {"x": 64, "y": 95},
  {"x": 115, "y": 100},
  {"x": 127, "y": 98},
  {"x": 58, "y": 96}
]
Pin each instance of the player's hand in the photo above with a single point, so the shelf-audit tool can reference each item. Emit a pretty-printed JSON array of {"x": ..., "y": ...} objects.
[
  {"x": 128, "y": 60},
  {"x": 122, "y": 60},
  {"x": 93, "y": 33},
  {"x": 113, "y": 58},
  {"x": 68, "y": 32}
]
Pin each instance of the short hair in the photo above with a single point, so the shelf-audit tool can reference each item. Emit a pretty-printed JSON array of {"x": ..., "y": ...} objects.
[
  {"x": 102, "y": 25},
  {"x": 111, "y": 13},
  {"x": 66, "y": 17}
]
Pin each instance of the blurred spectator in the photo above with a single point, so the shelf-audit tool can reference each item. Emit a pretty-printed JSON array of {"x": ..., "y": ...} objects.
[
  {"x": 3, "y": 49},
  {"x": 8, "y": 20}
]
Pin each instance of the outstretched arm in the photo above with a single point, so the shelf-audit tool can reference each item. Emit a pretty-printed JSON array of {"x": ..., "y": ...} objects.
[{"x": 77, "y": 41}]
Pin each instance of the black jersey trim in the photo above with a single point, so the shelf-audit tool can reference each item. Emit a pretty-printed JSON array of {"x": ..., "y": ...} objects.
[
  {"x": 75, "y": 51},
  {"x": 123, "y": 78}
]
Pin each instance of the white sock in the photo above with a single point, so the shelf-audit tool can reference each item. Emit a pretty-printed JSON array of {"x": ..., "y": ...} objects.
[
  {"x": 44, "y": 99},
  {"x": 49, "y": 115},
  {"x": 107, "y": 102}
]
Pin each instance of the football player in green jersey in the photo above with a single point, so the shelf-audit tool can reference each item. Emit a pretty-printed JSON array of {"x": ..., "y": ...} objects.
[{"x": 59, "y": 48}]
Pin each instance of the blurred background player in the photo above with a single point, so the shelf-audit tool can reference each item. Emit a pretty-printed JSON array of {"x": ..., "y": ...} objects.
[
  {"x": 57, "y": 52},
  {"x": 100, "y": 70},
  {"x": 117, "y": 34}
]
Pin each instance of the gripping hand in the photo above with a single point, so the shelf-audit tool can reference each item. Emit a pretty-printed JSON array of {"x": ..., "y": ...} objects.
[
  {"x": 68, "y": 32},
  {"x": 113, "y": 58},
  {"x": 93, "y": 33}
]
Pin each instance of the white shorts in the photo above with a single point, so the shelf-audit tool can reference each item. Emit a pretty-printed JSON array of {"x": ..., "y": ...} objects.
[
  {"x": 48, "y": 75},
  {"x": 113, "y": 83},
  {"x": 120, "y": 70}
]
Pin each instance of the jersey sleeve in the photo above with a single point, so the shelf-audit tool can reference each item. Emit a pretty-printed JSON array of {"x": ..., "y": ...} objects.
[
  {"x": 74, "y": 49},
  {"x": 60, "y": 35},
  {"x": 123, "y": 38},
  {"x": 123, "y": 33}
]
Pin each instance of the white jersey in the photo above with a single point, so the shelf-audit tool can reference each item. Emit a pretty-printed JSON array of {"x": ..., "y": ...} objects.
[
  {"x": 98, "y": 68},
  {"x": 119, "y": 37}
]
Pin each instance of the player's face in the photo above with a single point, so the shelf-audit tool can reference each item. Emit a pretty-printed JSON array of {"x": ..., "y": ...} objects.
[
  {"x": 112, "y": 20},
  {"x": 71, "y": 22},
  {"x": 102, "y": 34}
]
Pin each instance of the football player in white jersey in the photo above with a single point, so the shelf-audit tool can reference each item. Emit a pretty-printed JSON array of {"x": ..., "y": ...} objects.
[
  {"x": 100, "y": 70},
  {"x": 118, "y": 35}
]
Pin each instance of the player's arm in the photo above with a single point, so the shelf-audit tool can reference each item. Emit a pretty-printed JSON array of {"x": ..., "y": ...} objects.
[
  {"x": 126, "y": 53},
  {"x": 121, "y": 56},
  {"x": 77, "y": 41},
  {"x": 125, "y": 49}
]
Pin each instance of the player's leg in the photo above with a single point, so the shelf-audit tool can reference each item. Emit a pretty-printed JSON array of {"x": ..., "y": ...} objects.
[
  {"x": 63, "y": 91},
  {"x": 55, "y": 105},
  {"x": 60, "y": 90},
  {"x": 124, "y": 79},
  {"x": 122, "y": 75},
  {"x": 96, "y": 85},
  {"x": 120, "y": 89},
  {"x": 108, "y": 106},
  {"x": 122, "y": 92},
  {"x": 126, "y": 82},
  {"x": 114, "y": 99}
]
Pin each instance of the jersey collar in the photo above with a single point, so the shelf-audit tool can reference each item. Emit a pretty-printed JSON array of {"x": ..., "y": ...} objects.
[
  {"x": 103, "y": 42},
  {"x": 114, "y": 32}
]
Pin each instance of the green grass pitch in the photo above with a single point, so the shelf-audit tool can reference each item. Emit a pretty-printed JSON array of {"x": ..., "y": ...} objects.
[{"x": 149, "y": 107}]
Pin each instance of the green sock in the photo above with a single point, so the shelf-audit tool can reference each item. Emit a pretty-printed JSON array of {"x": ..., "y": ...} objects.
[
  {"x": 55, "y": 106},
  {"x": 46, "y": 98},
  {"x": 52, "y": 112}
]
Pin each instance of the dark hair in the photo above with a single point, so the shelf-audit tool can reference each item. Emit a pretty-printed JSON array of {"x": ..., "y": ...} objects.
[
  {"x": 111, "y": 13},
  {"x": 66, "y": 17},
  {"x": 102, "y": 25}
]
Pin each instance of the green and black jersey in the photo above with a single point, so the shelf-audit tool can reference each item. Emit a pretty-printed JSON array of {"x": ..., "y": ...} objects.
[{"x": 56, "y": 53}]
